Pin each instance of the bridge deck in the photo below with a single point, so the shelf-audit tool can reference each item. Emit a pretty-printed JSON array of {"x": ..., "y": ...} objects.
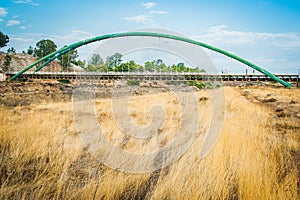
[{"x": 154, "y": 76}]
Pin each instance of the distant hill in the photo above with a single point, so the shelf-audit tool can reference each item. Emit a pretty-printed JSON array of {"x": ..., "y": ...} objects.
[{"x": 20, "y": 61}]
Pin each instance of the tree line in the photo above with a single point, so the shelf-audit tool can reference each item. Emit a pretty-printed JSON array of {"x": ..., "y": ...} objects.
[{"x": 114, "y": 63}]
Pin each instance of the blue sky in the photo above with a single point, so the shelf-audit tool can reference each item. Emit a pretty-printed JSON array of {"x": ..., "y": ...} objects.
[{"x": 265, "y": 32}]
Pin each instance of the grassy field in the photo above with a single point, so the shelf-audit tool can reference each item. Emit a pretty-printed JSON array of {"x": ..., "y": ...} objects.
[{"x": 256, "y": 157}]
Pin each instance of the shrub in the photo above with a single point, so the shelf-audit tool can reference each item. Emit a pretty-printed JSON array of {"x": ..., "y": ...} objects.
[
  {"x": 64, "y": 81},
  {"x": 133, "y": 82}
]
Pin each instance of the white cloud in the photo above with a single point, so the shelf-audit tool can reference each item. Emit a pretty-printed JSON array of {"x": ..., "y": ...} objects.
[
  {"x": 23, "y": 27},
  {"x": 26, "y": 2},
  {"x": 1, "y": 20},
  {"x": 139, "y": 18},
  {"x": 272, "y": 51},
  {"x": 22, "y": 41},
  {"x": 148, "y": 5},
  {"x": 159, "y": 12},
  {"x": 76, "y": 33},
  {"x": 220, "y": 34},
  {"x": 15, "y": 16},
  {"x": 3, "y": 12},
  {"x": 72, "y": 36},
  {"x": 13, "y": 22}
]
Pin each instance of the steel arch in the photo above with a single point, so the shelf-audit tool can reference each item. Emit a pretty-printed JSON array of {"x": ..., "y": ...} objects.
[{"x": 47, "y": 59}]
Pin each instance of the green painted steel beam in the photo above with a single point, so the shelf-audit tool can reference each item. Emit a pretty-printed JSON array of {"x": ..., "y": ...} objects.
[
  {"x": 65, "y": 49},
  {"x": 43, "y": 65},
  {"x": 51, "y": 59}
]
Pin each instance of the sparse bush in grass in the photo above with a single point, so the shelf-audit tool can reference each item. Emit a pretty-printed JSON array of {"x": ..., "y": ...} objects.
[
  {"x": 198, "y": 84},
  {"x": 133, "y": 82},
  {"x": 174, "y": 82},
  {"x": 64, "y": 81},
  {"x": 209, "y": 85}
]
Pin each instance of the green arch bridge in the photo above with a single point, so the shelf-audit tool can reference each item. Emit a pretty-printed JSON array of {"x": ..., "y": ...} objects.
[{"x": 52, "y": 56}]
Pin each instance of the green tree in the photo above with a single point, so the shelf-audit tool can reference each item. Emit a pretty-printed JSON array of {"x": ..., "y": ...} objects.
[
  {"x": 80, "y": 63},
  {"x": 201, "y": 70},
  {"x": 30, "y": 50},
  {"x": 4, "y": 39},
  {"x": 44, "y": 47},
  {"x": 98, "y": 68},
  {"x": 113, "y": 61},
  {"x": 160, "y": 66},
  {"x": 11, "y": 50},
  {"x": 96, "y": 60},
  {"x": 181, "y": 67},
  {"x": 123, "y": 67},
  {"x": 130, "y": 66},
  {"x": 67, "y": 59},
  {"x": 141, "y": 68},
  {"x": 102, "y": 68},
  {"x": 133, "y": 67},
  {"x": 149, "y": 66}
]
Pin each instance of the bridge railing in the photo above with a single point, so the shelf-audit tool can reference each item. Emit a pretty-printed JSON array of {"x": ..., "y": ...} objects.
[
  {"x": 115, "y": 73},
  {"x": 154, "y": 73}
]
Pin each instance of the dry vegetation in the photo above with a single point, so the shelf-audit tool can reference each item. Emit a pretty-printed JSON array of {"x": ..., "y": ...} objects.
[
  {"x": 41, "y": 156},
  {"x": 20, "y": 61}
]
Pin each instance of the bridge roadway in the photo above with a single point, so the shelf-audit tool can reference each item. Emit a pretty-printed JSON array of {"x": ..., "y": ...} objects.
[{"x": 294, "y": 78}]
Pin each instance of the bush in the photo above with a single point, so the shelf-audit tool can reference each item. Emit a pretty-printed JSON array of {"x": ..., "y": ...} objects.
[
  {"x": 191, "y": 83},
  {"x": 199, "y": 85},
  {"x": 133, "y": 82},
  {"x": 173, "y": 82},
  {"x": 64, "y": 81},
  {"x": 209, "y": 85}
]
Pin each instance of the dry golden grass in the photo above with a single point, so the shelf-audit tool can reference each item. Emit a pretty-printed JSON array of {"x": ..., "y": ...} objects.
[{"x": 41, "y": 156}]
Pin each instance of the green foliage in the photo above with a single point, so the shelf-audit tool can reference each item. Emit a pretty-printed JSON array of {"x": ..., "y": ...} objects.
[
  {"x": 180, "y": 67},
  {"x": 191, "y": 83},
  {"x": 96, "y": 60},
  {"x": 209, "y": 85},
  {"x": 4, "y": 39},
  {"x": 30, "y": 50},
  {"x": 149, "y": 66},
  {"x": 159, "y": 66},
  {"x": 130, "y": 66},
  {"x": 98, "y": 68},
  {"x": 113, "y": 61},
  {"x": 133, "y": 82},
  {"x": 80, "y": 63},
  {"x": 95, "y": 64},
  {"x": 11, "y": 50},
  {"x": 199, "y": 85},
  {"x": 64, "y": 81},
  {"x": 44, "y": 47},
  {"x": 68, "y": 58}
]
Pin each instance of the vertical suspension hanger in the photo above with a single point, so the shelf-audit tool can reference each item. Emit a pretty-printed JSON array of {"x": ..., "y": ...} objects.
[
  {"x": 74, "y": 67},
  {"x": 62, "y": 62},
  {"x": 68, "y": 61}
]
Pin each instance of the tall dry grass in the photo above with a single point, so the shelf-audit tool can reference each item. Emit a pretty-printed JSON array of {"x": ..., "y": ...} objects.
[{"x": 41, "y": 156}]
